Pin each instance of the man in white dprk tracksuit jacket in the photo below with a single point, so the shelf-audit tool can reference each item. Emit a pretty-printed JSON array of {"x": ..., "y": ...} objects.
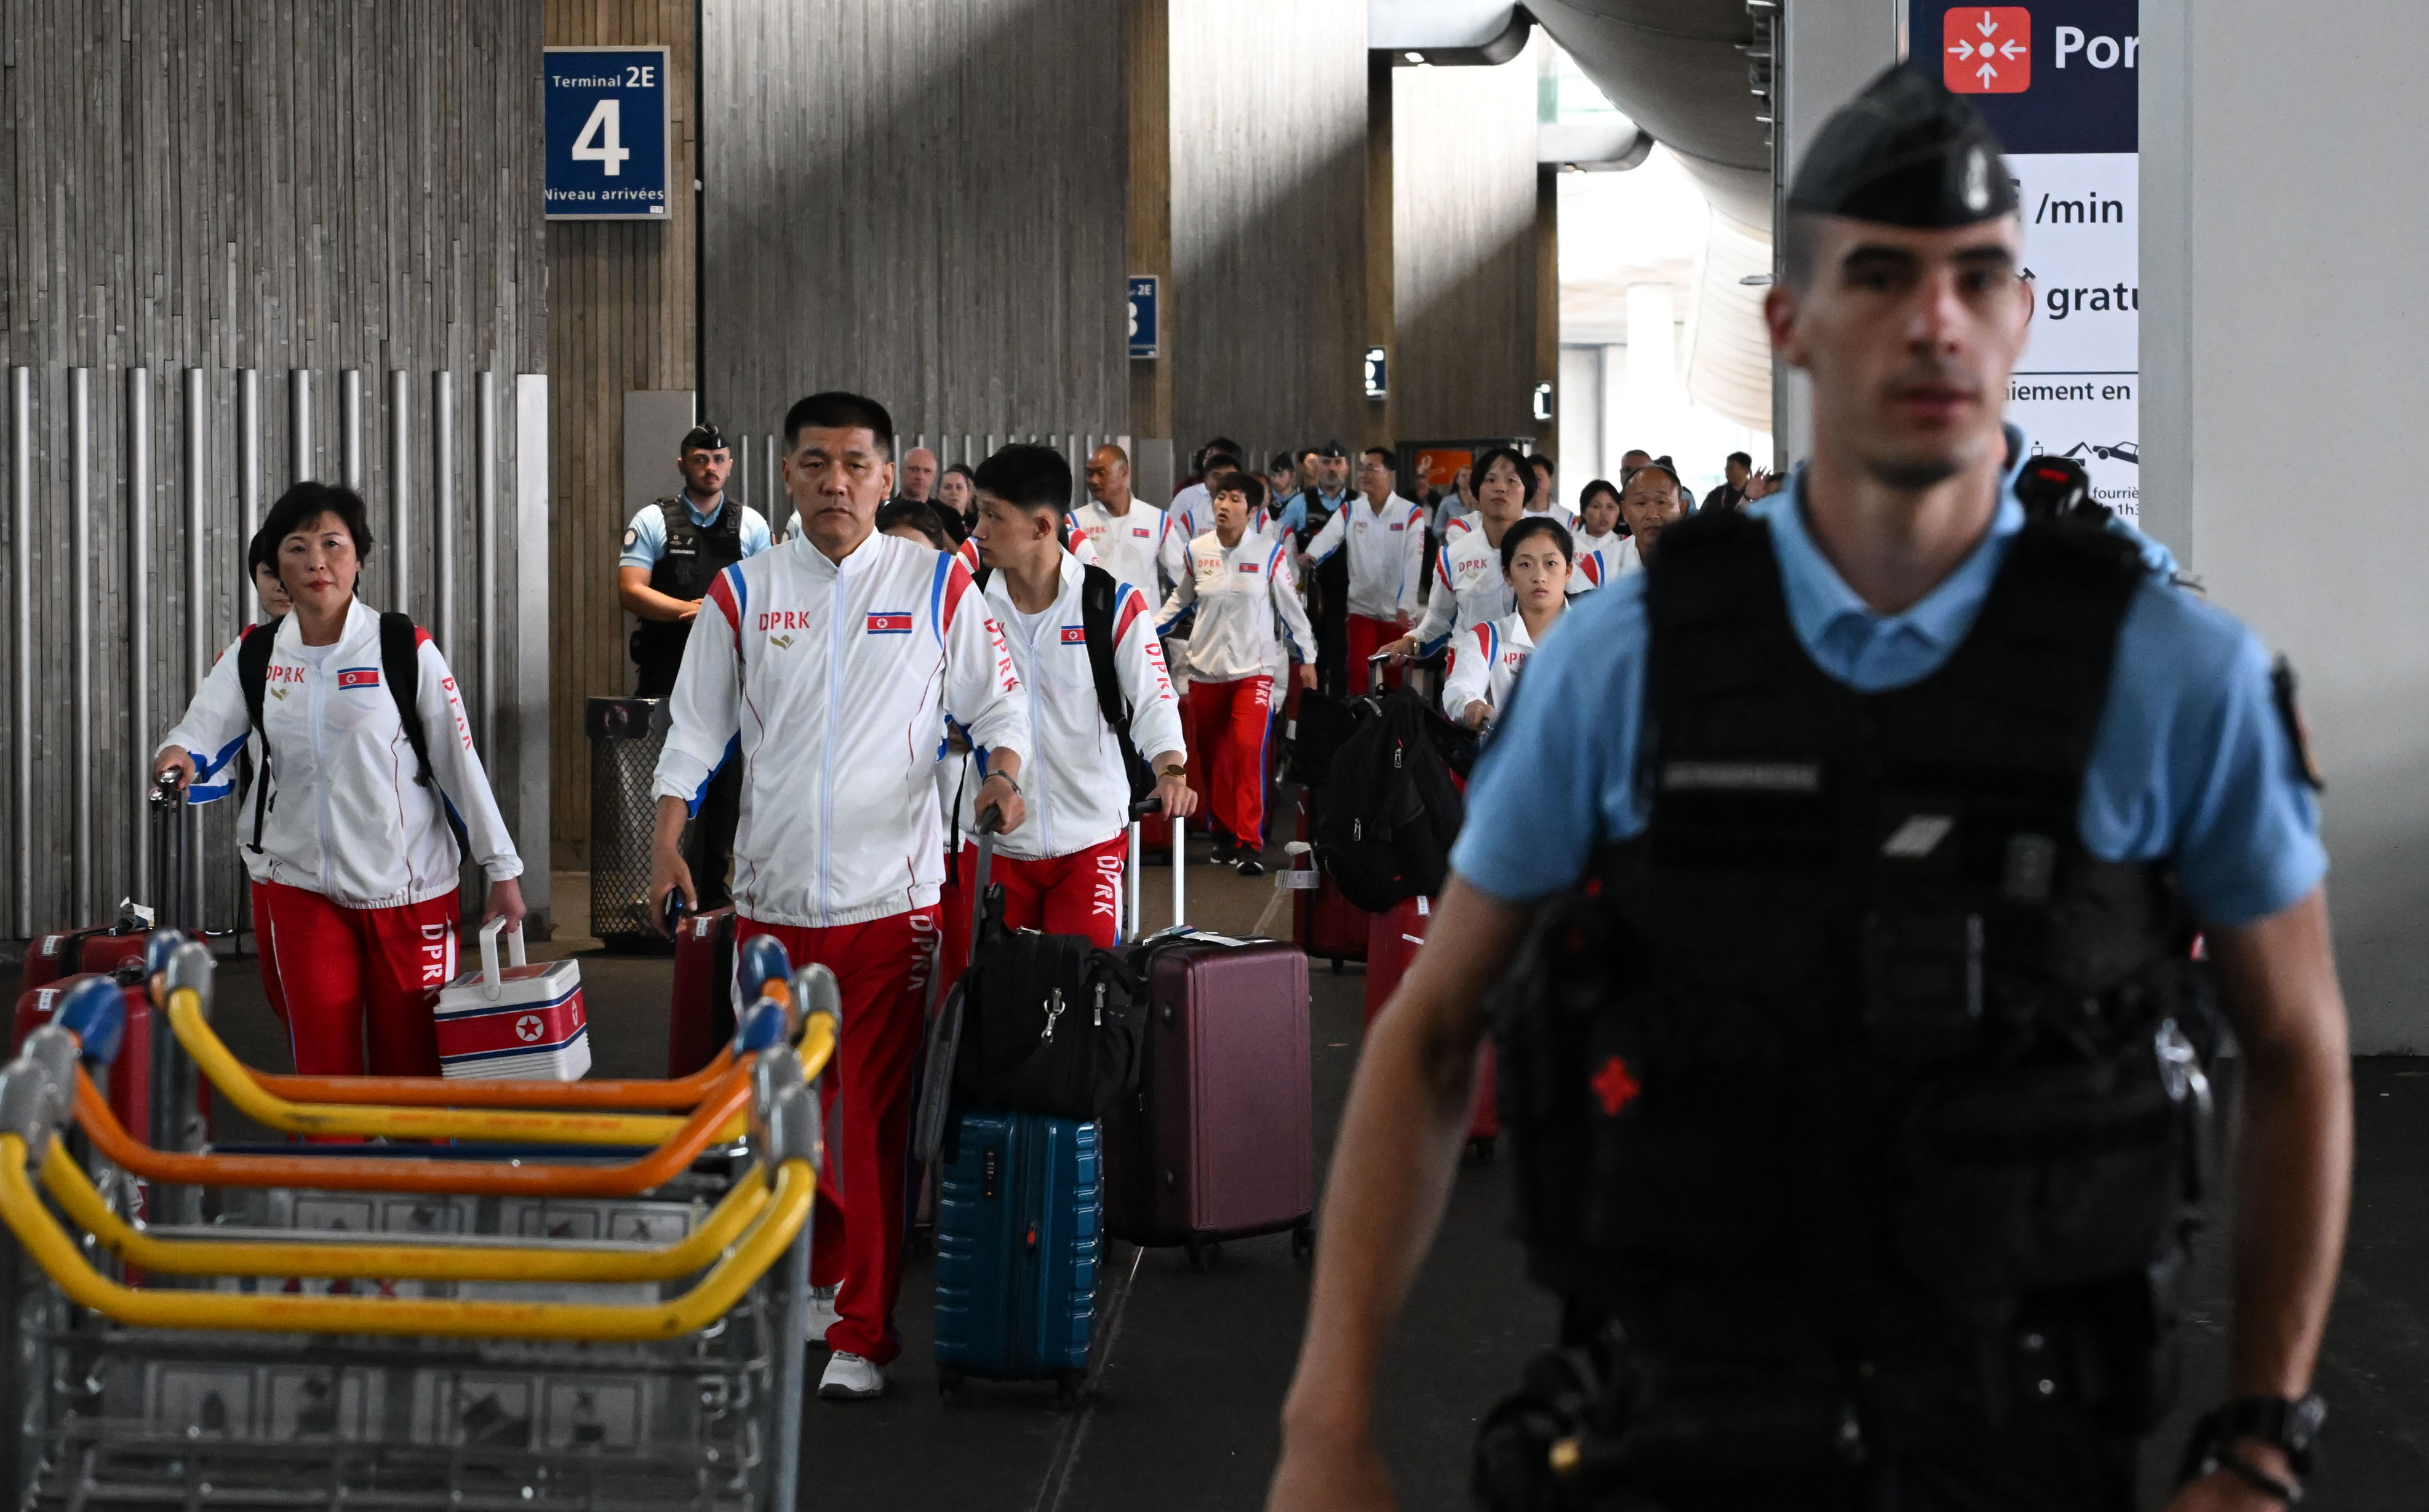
[
  {"x": 827, "y": 667},
  {"x": 1060, "y": 870},
  {"x": 1239, "y": 580}
]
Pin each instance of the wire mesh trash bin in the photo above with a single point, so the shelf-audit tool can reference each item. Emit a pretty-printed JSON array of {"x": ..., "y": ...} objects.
[{"x": 627, "y": 736}]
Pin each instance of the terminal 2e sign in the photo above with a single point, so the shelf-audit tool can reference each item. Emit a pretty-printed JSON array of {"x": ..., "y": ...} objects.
[
  {"x": 2056, "y": 81},
  {"x": 607, "y": 109}
]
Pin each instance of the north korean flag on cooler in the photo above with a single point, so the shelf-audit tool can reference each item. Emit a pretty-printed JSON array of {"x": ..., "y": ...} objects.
[
  {"x": 1075, "y": 635},
  {"x": 896, "y": 622},
  {"x": 358, "y": 677}
]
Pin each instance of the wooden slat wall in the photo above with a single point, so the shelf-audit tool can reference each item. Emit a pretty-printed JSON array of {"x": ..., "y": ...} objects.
[
  {"x": 925, "y": 200},
  {"x": 246, "y": 184},
  {"x": 1465, "y": 250},
  {"x": 622, "y": 297},
  {"x": 1265, "y": 313}
]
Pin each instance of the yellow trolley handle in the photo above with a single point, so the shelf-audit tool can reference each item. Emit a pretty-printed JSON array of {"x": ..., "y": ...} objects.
[
  {"x": 761, "y": 1244},
  {"x": 235, "y": 1082},
  {"x": 352, "y": 1257}
]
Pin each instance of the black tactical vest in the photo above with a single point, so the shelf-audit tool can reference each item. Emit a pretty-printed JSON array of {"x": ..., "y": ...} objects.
[
  {"x": 694, "y": 555},
  {"x": 1855, "y": 1069}
]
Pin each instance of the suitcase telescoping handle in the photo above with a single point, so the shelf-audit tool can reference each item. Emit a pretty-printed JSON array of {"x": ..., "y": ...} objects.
[
  {"x": 1375, "y": 665},
  {"x": 493, "y": 986},
  {"x": 168, "y": 822}
]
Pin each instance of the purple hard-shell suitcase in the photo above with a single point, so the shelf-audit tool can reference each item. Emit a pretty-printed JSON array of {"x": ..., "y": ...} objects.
[{"x": 1218, "y": 1141}]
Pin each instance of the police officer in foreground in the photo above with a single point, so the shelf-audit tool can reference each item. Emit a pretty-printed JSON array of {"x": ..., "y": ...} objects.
[
  {"x": 673, "y": 550},
  {"x": 1857, "y": 1109}
]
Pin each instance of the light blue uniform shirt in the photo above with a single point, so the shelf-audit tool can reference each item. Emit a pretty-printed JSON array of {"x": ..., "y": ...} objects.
[
  {"x": 645, "y": 538},
  {"x": 2191, "y": 758}
]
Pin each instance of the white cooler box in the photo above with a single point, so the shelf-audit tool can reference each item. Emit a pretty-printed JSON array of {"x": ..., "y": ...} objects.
[{"x": 523, "y": 1023}]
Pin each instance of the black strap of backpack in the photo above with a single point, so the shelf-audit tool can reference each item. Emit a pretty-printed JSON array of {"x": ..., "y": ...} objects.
[
  {"x": 401, "y": 670},
  {"x": 1099, "y": 595},
  {"x": 253, "y": 676}
]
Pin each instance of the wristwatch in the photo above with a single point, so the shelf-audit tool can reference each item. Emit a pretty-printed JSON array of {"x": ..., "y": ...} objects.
[
  {"x": 1175, "y": 770},
  {"x": 2292, "y": 1426}
]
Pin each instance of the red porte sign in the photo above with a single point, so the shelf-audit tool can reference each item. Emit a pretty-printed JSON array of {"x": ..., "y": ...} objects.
[{"x": 1986, "y": 49}]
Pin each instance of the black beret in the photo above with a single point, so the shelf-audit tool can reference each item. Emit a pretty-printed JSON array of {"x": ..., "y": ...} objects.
[
  {"x": 702, "y": 438},
  {"x": 1908, "y": 152}
]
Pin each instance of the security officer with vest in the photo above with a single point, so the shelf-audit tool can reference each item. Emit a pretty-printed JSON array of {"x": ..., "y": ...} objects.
[
  {"x": 1840, "y": 876},
  {"x": 673, "y": 550}
]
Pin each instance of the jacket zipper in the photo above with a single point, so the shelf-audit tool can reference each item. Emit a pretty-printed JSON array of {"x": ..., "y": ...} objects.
[
  {"x": 1045, "y": 826},
  {"x": 321, "y": 759},
  {"x": 826, "y": 772}
]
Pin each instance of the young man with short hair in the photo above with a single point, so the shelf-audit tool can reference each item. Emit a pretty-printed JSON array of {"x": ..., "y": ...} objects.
[
  {"x": 1238, "y": 579},
  {"x": 1061, "y": 868},
  {"x": 826, "y": 669}
]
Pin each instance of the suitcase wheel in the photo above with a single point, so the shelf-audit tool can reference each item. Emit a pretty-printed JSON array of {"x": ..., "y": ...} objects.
[
  {"x": 1483, "y": 1149},
  {"x": 1303, "y": 1242},
  {"x": 1203, "y": 1254},
  {"x": 1336, "y": 965},
  {"x": 1069, "y": 1386},
  {"x": 949, "y": 1382}
]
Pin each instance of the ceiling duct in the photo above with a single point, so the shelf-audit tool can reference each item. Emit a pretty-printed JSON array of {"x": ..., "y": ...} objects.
[{"x": 1679, "y": 69}]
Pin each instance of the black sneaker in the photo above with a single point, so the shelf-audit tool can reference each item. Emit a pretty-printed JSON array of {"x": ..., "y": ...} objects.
[
  {"x": 1226, "y": 849},
  {"x": 1251, "y": 866}
]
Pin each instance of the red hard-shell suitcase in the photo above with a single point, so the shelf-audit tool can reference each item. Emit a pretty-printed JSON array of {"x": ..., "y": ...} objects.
[
  {"x": 101, "y": 949},
  {"x": 1322, "y": 921},
  {"x": 703, "y": 1011},
  {"x": 131, "y": 1073},
  {"x": 1218, "y": 1141},
  {"x": 1398, "y": 933}
]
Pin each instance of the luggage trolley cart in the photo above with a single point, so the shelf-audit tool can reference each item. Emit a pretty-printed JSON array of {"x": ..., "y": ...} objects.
[{"x": 531, "y": 1335}]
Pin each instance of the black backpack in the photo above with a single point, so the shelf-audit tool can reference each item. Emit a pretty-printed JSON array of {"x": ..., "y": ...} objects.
[
  {"x": 400, "y": 668},
  {"x": 1391, "y": 810}
]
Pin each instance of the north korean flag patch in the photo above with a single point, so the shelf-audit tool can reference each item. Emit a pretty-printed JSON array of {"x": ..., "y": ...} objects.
[
  {"x": 1075, "y": 635},
  {"x": 1247, "y": 566},
  {"x": 889, "y": 622},
  {"x": 1139, "y": 531},
  {"x": 358, "y": 677}
]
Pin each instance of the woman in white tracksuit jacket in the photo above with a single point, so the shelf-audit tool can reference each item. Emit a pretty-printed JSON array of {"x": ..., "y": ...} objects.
[
  {"x": 1537, "y": 557},
  {"x": 355, "y": 869}
]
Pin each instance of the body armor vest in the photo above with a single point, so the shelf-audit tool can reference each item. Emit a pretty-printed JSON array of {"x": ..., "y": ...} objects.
[
  {"x": 1854, "y": 1074},
  {"x": 694, "y": 555}
]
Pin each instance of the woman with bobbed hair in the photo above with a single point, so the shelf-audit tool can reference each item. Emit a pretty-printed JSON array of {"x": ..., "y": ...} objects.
[
  {"x": 1537, "y": 558},
  {"x": 346, "y": 827}
]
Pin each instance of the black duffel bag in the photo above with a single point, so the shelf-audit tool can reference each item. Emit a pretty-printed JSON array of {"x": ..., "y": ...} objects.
[
  {"x": 1049, "y": 1025},
  {"x": 1039, "y": 1024}
]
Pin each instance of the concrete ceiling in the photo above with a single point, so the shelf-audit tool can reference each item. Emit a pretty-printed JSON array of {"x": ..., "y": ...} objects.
[{"x": 1679, "y": 68}]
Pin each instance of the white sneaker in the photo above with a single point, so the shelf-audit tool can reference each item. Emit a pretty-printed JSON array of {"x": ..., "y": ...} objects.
[
  {"x": 851, "y": 1378},
  {"x": 819, "y": 1316}
]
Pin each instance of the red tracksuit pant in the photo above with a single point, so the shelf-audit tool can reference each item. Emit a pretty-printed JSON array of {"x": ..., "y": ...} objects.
[
  {"x": 882, "y": 969},
  {"x": 1363, "y": 637},
  {"x": 1229, "y": 722},
  {"x": 355, "y": 986},
  {"x": 1078, "y": 893}
]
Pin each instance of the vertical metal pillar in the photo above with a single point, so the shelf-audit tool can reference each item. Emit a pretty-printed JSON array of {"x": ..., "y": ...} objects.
[
  {"x": 80, "y": 631},
  {"x": 350, "y": 427},
  {"x": 442, "y": 506},
  {"x": 248, "y": 469},
  {"x": 139, "y": 603},
  {"x": 299, "y": 424},
  {"x": 399, "y": 490},
  {"x": 198, "y": 617},
  {"x": 21, "y": 494},
  {"x": 485, "y": 544}
]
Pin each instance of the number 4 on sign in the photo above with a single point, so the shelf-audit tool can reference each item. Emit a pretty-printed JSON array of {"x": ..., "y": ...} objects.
[{"x": 603, "y": 139}]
